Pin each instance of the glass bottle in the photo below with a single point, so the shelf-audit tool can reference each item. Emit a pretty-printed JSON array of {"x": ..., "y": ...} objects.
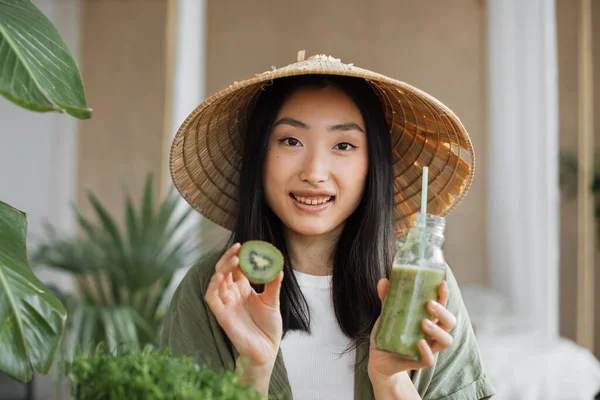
[{"x": 418, "y": 269}]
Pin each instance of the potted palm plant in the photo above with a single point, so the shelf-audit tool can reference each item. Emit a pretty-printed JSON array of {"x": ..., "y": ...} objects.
[{"x": 121, "y": 270}]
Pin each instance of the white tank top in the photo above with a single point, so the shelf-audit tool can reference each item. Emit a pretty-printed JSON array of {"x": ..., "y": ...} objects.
[{"x": 316, "y": 369}]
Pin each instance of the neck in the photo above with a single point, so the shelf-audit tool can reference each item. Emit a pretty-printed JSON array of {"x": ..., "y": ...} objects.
[{"x": 312, "y": 254}]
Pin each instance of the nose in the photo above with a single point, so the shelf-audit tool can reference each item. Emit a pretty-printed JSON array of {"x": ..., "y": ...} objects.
[{"x": 315, "y": 168}]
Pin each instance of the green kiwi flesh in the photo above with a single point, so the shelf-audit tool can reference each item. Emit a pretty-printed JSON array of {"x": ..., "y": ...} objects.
[{"x": 260, "y": 261}]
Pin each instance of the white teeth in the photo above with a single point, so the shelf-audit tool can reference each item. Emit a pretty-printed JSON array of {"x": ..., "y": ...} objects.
[{"x": 312, "y": 201}]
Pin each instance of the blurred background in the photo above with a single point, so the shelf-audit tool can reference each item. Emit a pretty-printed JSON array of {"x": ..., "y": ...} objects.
[{"x": 512, "y": 70}]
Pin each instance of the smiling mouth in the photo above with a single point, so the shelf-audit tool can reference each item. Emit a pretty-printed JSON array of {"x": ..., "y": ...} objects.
[{"x": 312, "y": 201}]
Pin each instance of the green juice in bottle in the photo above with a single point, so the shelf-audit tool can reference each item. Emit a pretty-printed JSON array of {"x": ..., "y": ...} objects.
[{"x": 417, "y": 271}]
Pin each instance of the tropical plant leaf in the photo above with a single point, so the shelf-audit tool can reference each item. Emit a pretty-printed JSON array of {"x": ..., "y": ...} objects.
[
  {"x": 175, "y": 226},
  {"x": 131, "y": 222},
  {"x": 37, "y": 70},
  {"x": 147, "y": 204},
  {"x": 90, "y": 230},
  {"x": 166, "y": 210},
  {"x": 32, "y": 319},
  {"x": 76, "y": 322},
  {"x": 108, "y": 223},
  {"x": 91, "y": 327},
  {"x": 125, "y": 326},
  {"x": 568, "y": 175}
]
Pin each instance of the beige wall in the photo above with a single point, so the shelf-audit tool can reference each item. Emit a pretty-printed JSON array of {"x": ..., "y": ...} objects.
[
  {"x": 123, "y": 53},
  {"x": 568, "y": 25},
  {"x": 435, "y": 45}
]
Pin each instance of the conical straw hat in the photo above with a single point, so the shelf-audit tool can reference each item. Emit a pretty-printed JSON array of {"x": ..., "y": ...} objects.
[{"x": 206, "y": 153}]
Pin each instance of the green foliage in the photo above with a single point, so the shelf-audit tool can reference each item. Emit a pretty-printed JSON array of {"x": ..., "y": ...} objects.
[
  {"x": 568, "y": 171},
  {"x": 150, "y": 374},
  {"x": 37, "y": 71},
  {"x": 32, "y": 319},
  {"x": 122, "y": 270}
]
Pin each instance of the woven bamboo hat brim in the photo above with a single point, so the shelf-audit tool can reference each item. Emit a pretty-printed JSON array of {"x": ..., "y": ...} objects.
[{"x": 206, "y": 153}]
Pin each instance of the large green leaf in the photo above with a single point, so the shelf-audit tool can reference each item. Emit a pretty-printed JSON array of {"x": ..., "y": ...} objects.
[
  {"x": 37, "y": 71},
  {"x": 32, "y": 319}
]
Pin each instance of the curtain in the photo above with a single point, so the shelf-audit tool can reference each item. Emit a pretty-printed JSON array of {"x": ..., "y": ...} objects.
[{"x": 522, "y": 159}]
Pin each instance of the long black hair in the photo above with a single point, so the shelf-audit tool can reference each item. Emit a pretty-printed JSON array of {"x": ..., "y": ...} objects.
[{"x": 363, "y": 253}]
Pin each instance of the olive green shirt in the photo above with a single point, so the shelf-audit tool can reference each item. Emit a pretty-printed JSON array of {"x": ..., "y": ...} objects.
[{"x": 191, "y": 329}]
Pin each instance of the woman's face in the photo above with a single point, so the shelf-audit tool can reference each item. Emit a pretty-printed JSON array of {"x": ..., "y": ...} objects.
[{"x": 316, "y": 164}]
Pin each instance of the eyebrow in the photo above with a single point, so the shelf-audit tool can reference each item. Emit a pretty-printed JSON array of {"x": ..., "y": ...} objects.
[
  {"x": 290, "y": 121},
  {"x": 348, "y": 126}
]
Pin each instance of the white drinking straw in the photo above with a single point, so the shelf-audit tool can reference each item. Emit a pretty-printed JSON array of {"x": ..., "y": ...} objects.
[{"x": 422, "y": 220}]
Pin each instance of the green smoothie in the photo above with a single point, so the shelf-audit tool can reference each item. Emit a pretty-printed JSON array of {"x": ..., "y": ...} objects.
[{"x": 405, "y": 307}]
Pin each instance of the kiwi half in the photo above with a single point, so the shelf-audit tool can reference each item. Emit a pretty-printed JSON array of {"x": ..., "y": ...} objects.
[{"x": 260, "y": 261}]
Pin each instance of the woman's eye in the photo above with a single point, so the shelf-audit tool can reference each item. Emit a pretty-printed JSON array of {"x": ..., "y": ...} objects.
[
  {"x": 290, "y": 141},
  {"x": 345, "y": 146}
]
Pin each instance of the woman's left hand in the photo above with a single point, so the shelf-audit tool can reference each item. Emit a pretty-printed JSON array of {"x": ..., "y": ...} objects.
[{"x": 384, "y": 365}]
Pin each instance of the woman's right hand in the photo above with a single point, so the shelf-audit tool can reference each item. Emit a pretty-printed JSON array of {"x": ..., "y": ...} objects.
[{"x": 252, "y": 321}]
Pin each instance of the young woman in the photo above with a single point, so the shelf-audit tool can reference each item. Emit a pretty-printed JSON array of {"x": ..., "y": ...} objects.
[{"x": 323, "y": 160}]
